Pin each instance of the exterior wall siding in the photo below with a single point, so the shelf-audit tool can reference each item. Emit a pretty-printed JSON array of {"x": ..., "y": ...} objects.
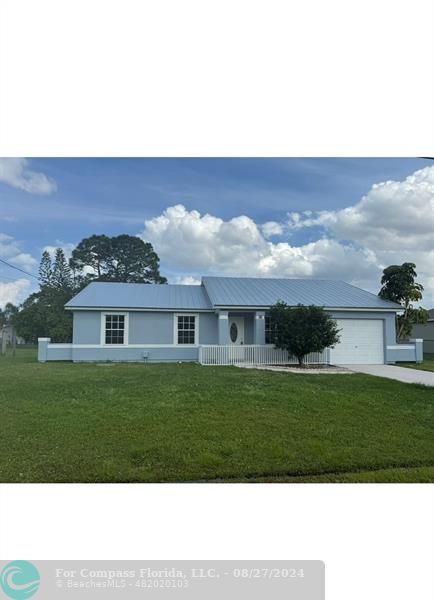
[
  {"x": 143, "y": 354},
  {"x": 151, "y": 336},
  {"x": 86, "y": 327},
  {"x": 144, "y": 327}
]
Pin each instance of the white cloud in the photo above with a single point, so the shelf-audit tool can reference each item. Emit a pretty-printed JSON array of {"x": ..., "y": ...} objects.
[
  {"x": 67, "y": 248},
  {"x": 10, "y": 250},
  {"x": 15, "y": 291},
  {"x": 207, "y": 244},
  {"x": 394, "y": 220},
  {"x": 187, "y": 280},
  {"x": 390, "y": 210},
  {"x": 391, "y": 224},
  {"x": 16, "y": 173},
  {"x": 272, "y": 228}
]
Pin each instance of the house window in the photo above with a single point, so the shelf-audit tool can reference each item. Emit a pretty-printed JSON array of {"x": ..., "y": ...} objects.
[
  {"x": 269, "y": 330},
  {"x": 115, "y": 329},
  {"x": 186, "y": 329}
]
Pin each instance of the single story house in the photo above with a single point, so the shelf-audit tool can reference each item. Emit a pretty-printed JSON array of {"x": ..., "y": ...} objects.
[
  {"x": 426, "y": 332},
  {"x": 222, "y": 321}
]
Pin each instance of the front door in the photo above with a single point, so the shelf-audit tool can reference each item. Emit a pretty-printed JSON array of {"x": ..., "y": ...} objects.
[{"x": 236, "y": 330}]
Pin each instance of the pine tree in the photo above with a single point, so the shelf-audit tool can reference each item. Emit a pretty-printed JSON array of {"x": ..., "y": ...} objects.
[
  {"x": 46, "y": 269},
  {"x": 62, "y": 275}
]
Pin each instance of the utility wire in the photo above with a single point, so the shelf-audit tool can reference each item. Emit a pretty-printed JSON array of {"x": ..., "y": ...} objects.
[{"x": 17, "y": 268}]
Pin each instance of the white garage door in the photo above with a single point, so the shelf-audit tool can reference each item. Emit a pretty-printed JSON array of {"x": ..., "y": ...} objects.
[{"x": 361, "y": 342}]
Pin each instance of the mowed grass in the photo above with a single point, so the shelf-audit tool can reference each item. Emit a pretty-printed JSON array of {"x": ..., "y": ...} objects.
[
  {"x": 64, "y": 422},
  {"x": 426, "y": 365}
]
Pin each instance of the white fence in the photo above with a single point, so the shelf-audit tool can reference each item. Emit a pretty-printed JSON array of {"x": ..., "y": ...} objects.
[{"x": 254, "y": 355}]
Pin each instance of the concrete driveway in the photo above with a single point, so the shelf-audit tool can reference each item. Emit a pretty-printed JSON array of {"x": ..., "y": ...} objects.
[{"x": 393, "y": 372}]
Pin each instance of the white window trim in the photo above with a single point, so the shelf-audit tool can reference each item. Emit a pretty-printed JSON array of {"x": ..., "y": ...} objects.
[
  {"x": 126, "y": 330},
  {"x": 196, "y": 329}
]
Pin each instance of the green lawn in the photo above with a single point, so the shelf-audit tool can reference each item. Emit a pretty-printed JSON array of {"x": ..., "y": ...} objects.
[
  {"x": 426, "y": 365},
  {"x": 64, "y": 422}
]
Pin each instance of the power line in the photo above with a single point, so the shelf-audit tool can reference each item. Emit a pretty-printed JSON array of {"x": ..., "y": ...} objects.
[{"x": 17, "y": 268}]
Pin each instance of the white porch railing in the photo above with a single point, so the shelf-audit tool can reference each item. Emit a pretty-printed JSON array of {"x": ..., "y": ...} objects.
[{"x": 254, "y": 355}]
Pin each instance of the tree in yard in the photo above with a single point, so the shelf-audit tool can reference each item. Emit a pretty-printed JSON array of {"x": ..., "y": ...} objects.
[
  {"x": 8, "y": 314},
  {"x": 46, "y": 269},
  {"x": 61, "y": 275},
  {"x": 399, "y": 285},
  {"x": 123, "y": 258},
  {"x": 92, "y": 253},
  {"x": 42, "y": 314},
  {"x": 302, "y": 330}
]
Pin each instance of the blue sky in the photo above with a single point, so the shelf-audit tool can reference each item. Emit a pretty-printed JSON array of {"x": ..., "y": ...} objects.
[{"x": 46, "y": 202}]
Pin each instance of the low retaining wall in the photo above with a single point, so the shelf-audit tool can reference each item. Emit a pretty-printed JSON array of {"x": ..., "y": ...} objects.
[
  {"x": 88, "y": 353},
  {"x": 412, "y": 352},
  {"x": 48, "y": 351}
]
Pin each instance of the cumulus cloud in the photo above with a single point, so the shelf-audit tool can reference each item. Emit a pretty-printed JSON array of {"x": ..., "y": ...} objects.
[
  {"x": 390, "y": 210},
  {"x": 208, "y": 244},
  {"x": 272, "y": 228},
  {"x": 394, "y": 220},
  {"x": 391, "y": 224},
  {"x": 16, "y": 173},
  {"x": 10, "y": 250},
  {"x": 15, "y": 291}
]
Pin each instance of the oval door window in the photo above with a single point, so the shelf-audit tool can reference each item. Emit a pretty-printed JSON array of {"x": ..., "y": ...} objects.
[{"x": 233, "y": 332}]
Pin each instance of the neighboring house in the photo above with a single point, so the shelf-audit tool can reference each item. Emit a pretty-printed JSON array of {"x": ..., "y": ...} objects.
[
  {"x": 7, "y": 334},
  {"x": 426, "y": 332},
  {"x": 171, "y": 323}
]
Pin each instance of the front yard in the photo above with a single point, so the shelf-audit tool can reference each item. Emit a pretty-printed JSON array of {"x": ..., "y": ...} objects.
[{"x": 64, "y": 422}]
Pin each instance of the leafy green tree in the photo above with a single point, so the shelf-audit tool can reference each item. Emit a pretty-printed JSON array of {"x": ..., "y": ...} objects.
[
  {"x": 9, "y": 313},
  {"x": 303, "y": 329},
  {"x": 92, "y": 253},
  {"x": 123, "y": 258},
  {"x": 399, "y": 285},
  {"x": 31, "y": 319},
  {"x": 43, "y": 313}
]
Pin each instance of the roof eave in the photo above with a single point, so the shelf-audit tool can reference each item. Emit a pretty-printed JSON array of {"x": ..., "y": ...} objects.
[
  {"x": 268, "y": 306},
  {"x": 139, "y": 308}
]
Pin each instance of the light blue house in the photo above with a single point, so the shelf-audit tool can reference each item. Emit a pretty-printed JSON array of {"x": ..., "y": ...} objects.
[{"x": 222, "y": 321}]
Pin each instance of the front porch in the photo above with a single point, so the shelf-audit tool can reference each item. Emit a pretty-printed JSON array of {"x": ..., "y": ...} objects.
[
  {"x": 240, "y": 328},
  {"x": 242, "y": 340},
  {"x": 251, "y": 354}
]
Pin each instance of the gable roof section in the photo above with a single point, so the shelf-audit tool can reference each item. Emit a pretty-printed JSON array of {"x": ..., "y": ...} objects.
[
  {"x": 257, "y": 292},
  {"x": 141, "y": 295}
]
